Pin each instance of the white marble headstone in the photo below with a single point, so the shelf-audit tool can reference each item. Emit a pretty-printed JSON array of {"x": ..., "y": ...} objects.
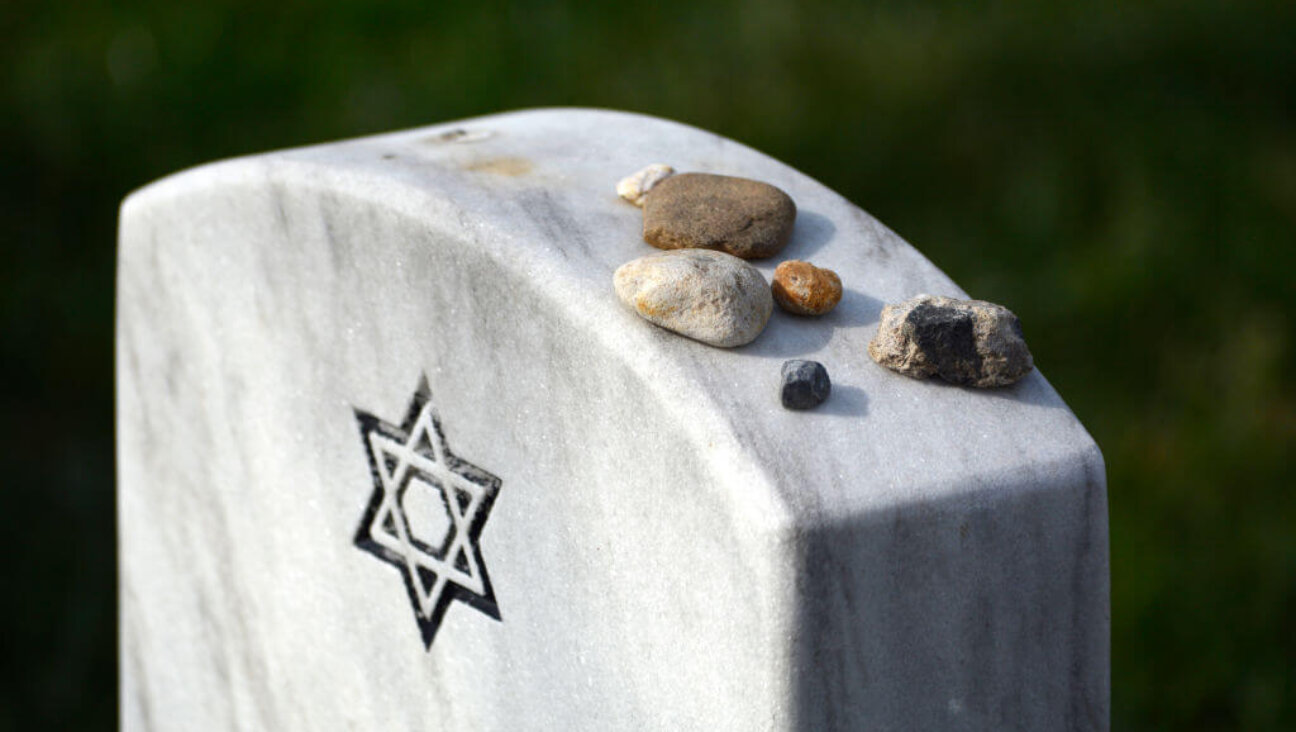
[{"x": 392, "y": 455}]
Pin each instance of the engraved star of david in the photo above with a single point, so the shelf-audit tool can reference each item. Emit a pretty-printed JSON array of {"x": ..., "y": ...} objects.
[{"x": 426, "y": 513}]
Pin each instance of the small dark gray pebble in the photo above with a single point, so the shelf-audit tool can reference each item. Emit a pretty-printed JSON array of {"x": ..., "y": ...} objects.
[{"x": 805, "y": 384}]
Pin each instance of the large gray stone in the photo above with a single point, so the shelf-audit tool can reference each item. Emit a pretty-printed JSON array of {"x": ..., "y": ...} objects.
[{"x": 614, "y": 527}]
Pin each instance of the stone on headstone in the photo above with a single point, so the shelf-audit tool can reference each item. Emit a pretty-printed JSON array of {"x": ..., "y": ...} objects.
[
  {"x": 805, "y": 384},
  {"x": 709, "y": 296},
  {"x": 634, "y": 187},
  {"x": 393, "y": 455},
  {"x": 740, "y": 216},
  {"x": 804, "y": 289},
  {"x": 966, "y": 342}
]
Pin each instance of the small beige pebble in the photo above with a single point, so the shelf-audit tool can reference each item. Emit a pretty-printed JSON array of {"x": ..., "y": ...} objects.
[
  {"x": 804, "y": 289},
  {"x": 633, "y": 188},
  {"x": 706, "y": 295}
]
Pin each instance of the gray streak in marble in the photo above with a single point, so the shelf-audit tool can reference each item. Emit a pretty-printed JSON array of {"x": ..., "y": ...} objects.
[{"x": 664, "y": 555}]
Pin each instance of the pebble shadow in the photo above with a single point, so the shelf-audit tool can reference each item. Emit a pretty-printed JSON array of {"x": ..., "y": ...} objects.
[
  {"x": 1032, "y": 390},
  {"x": 810, "y": 232},
  {"x": 855, "y": 308},
  {"x": 790, "y": 336},
  {"x": 845, "y": 401}
]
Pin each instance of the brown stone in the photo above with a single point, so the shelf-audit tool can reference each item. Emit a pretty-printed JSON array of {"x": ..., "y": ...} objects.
[
  {"x": 804, "y": 289},
  {"x": 746, "y": 218}
]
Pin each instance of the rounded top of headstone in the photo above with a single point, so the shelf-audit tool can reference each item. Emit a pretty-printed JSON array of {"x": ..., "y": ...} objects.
[{"x": 534, "y": 193}]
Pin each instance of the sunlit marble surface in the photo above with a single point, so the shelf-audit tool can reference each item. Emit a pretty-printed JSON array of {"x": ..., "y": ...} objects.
[{"x": 668, "y": 549}]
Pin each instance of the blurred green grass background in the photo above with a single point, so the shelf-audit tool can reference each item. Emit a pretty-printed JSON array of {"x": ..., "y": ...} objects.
[{"x": 1121, "y": 174}]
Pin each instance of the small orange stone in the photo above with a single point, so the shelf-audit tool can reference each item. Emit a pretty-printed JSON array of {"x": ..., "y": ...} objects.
[{"x": 804, "y": 289}]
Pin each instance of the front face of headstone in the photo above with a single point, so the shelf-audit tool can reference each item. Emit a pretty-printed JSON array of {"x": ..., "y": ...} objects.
[{"x": 392, "y": 455}]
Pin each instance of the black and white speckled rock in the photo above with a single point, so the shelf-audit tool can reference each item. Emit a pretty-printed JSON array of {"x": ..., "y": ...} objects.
[
  {"x": 967, "y": 342},
  {"x": 805, "y": 384}
]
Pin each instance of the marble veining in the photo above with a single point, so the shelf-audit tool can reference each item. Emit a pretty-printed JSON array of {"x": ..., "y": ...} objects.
[{"x": 670, "y": 548}]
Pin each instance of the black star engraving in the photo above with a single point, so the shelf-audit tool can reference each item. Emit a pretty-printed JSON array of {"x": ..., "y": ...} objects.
[{"x": 416, "y": 476}]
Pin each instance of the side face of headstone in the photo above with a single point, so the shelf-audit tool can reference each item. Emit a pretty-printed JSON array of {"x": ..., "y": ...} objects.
[{"x": 393, "y": 455}]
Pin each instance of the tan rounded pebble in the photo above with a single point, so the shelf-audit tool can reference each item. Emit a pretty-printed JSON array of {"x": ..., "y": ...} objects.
[
  {"x": 744, "y": 217},
  {"x": 969, "y": 342},
  {"x": 708, "y": 296},
  {"x": 804, "y": 289},
  {"x": 634, "y": 187}
]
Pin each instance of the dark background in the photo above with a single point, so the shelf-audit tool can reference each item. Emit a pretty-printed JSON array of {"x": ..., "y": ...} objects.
[{"x": 1121, "y": 174}]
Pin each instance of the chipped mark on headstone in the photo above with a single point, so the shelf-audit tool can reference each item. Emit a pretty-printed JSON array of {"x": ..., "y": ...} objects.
[{"x": 459, "y": 134}]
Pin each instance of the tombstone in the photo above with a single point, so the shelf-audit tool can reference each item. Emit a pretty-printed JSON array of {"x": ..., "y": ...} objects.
[{"x": 392, "y": 455}]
